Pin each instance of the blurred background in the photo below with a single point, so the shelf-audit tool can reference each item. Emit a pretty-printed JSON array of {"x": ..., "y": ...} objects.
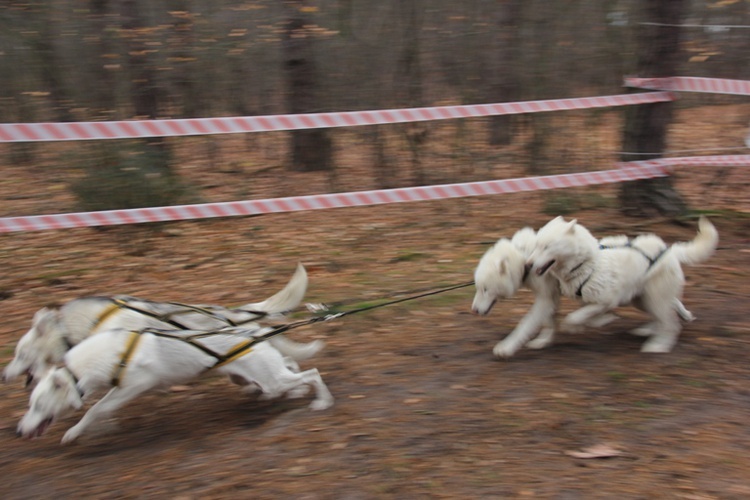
[{"x": 75, "y": 60}]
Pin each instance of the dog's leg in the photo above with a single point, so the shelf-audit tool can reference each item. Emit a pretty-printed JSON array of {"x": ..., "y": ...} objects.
[
  {"x": 664, "y": 330},
  {"x": 603, "y": 320},
  {"x": 265, "y": 367},
  {"x": 292, "y": 382},
  {"x": 575, "y": 321},
  {"x": 541, "y": 314},
  {"x": 547, "y": 334},
  {"x": 545, "y": 338},
  {"x": 111, "y": 401}
]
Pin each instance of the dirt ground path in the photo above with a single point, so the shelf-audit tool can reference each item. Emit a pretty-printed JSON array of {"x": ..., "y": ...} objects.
[{"x": 422, "y": 408}]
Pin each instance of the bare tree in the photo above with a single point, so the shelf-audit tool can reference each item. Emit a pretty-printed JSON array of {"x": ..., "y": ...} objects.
[
  {"x": 311, "y": 149},
  {"x": 646, "y": 125},
  {"x": 505, "y": 84}
]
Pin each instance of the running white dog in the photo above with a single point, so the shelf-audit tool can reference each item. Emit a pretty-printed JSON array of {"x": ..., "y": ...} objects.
[
  {"x": 55, "y": 330},
  {"x": 129, "y": 363},
  {"x": 500, "y": 274},
  {"x": 502, "y": 271},
  {"x": 646, "y": 273}
]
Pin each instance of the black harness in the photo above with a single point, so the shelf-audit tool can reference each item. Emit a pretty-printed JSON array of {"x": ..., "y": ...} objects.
[
  {"x": 629, "y": 244},
  {"x": 123, "y": 303},
  {"x": 75, "y": 381}
]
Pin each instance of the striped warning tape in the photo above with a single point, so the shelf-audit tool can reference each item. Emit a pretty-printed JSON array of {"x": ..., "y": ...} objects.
[
  {"x": 692, "y": 84},
  {"x": 77, "y": 131},
  {"x": 626, "y": 172}
]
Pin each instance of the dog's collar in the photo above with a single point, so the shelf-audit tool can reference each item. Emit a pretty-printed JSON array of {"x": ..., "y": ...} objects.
[
  {"x": 579, "y": 292},
  {"x": 576, "y": 268},
  {"x": 68, "y": 343}
]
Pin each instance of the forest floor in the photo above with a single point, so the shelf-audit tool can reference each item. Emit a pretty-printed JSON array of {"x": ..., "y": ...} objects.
[{"x": 422, "y": 410}]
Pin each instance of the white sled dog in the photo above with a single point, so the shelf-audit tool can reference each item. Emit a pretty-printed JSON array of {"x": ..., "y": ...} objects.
[
  {"x": 503, "y": 270},
  {"x": 55, "y": 330},
  {"x": 500, "y": 274},
  {"x": 647, "y": 273},
  {"x": 129, "y": 363}
]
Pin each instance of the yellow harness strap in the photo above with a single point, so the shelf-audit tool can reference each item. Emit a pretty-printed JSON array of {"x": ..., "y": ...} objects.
[
  {"x": 106, "y": 313},
  {"x": 135, "y": 337},
  {"x": 237, "y": 352}
]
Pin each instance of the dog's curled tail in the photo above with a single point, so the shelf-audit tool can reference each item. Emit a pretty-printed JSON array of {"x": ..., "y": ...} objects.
[
  {"x": 285, "y": 299},
  {"x": 298, "y": 351},
  {"x": 701, "y": 248}
]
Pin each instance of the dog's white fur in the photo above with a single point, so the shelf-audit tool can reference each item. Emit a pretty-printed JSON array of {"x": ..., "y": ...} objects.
[
  {"x": 156, "y": 362},
  {"x": 501, "y": 272},
  {"x": 55, "y": 330},
  {"x": 605, "y": 279}
]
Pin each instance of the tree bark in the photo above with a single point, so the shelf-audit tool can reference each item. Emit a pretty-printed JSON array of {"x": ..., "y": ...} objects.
[
  {"x": 646, "y": 125},
  {"x": 312, "y": 150},
  {"x": 102, "y": 84},
  {"x": 504, "y": 85},
  {"x": 144, "y": 88}
]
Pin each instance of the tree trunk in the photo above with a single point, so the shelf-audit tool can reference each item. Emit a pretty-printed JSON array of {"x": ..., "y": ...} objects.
[
  {"x": 144, "y": 89},
  {"x": 51, "y": 69},
  {"x": 409, "y": 84},
  {"x": 312, "y": 150},
  {"x": 646, "y": 125},
  {"x": 504, "y": 85},
  {"x": 102, "y": 85}
]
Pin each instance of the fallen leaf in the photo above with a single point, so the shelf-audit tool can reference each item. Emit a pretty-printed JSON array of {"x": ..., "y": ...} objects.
[{"x": 596, "y": 451}]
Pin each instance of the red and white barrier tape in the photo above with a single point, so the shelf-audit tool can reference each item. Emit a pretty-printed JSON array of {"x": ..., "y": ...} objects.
[
  {"x": 77, "y": 131},
  {"x": 692, "y": 84},
  {"x": 627, "y": 172}
]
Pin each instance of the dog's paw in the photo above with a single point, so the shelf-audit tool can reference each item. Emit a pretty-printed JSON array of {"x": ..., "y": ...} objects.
[
  {"x": 657, "y": 345},
  {"x": 540, "y": 342},
  {"x": 504, "y": 350},
  {"x": 641, "y": 332},
  {"x": 321, "y": 404},
  {"x": 70, "y": 436}
]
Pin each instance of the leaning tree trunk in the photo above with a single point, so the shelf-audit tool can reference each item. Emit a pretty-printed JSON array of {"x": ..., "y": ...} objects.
[
  {"x": 646, "y": 125},
  {"x": 311, "y": 149}
]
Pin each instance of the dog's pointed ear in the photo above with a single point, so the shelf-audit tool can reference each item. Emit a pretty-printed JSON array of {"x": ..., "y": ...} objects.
[
  {"x": 572, "y": 225},
  {"x": 44, "y": 319},
  {"x": 502, "y": 267},
  {"x": 58, "y": 380}
]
